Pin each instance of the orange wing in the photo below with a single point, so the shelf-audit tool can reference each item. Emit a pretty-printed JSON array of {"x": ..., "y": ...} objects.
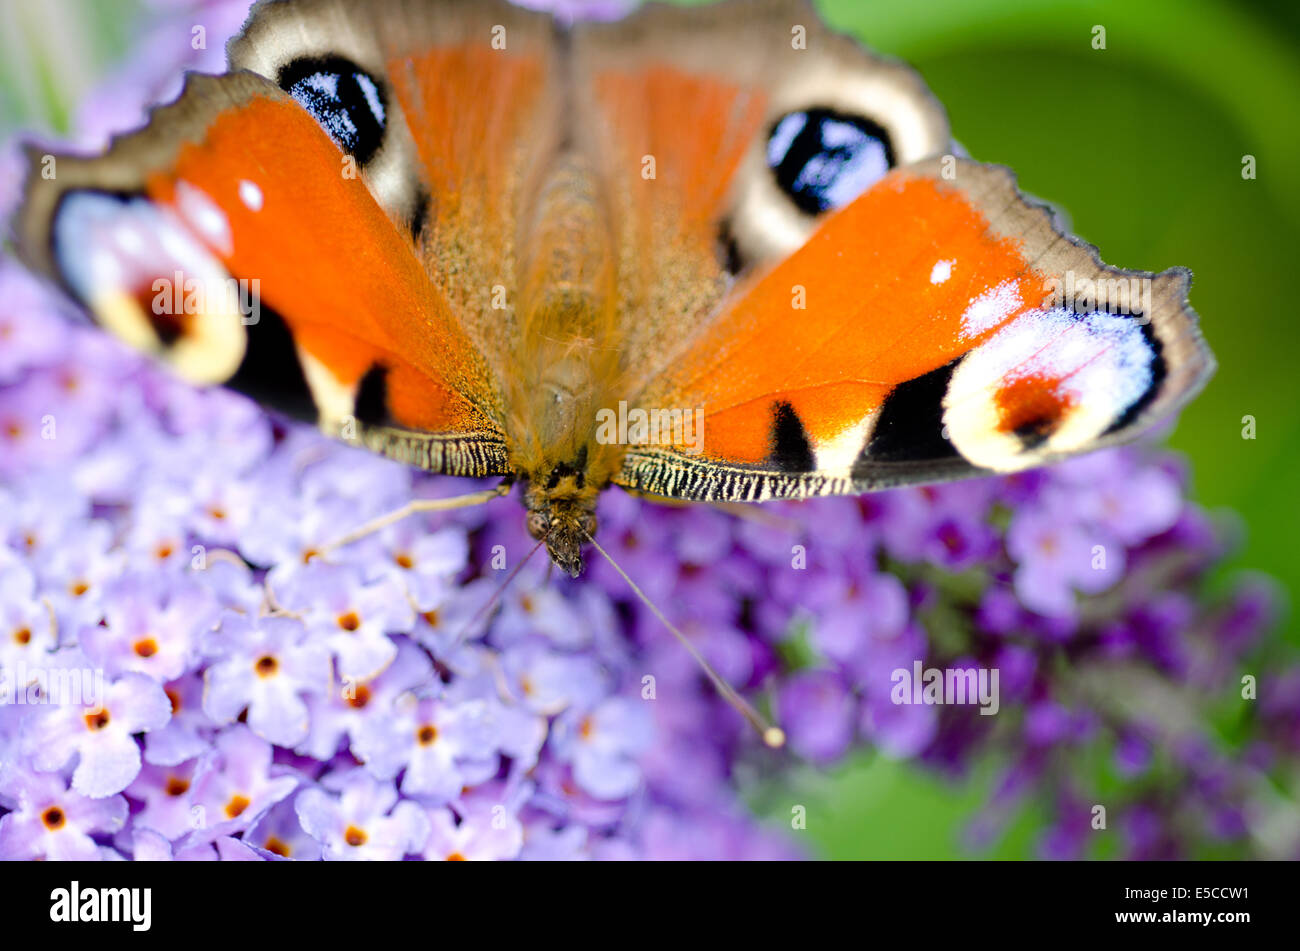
[
  {"x": 228, "y": 239},
  {"x": 834, "y": 300},
  {"x": 936, "y": 326},
  {"x": 334, "y": 217},
  {"x": 677, "y": 105},
  {"x": 470, "y": 92}
]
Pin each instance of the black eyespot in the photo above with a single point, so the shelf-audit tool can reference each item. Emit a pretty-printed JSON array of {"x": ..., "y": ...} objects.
[
  {"x": 271, "y": 371},
  {"x": 791, "y": 451},
  {"x": 824, "y": 159},
  {"x": 349, "y": 103},
  {"x": 729, "y": 249},
  {"x": 371, "y": 404},
  {"x": 420, "y": 214},
  {"x": 910, "y": 424}
]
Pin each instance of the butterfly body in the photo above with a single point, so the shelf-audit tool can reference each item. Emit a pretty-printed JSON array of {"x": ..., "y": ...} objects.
[
  {"x": 708, "y": 253},
  {"x": 567, "y": 352}
]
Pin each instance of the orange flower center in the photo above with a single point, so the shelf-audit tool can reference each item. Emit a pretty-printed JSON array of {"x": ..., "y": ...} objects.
[{"x": 360, "y": 697}]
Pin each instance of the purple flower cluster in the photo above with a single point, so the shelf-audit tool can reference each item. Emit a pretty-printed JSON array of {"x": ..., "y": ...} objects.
[
  {"x": 189, "y": 671},
  {"x": 186, "y": 676}
]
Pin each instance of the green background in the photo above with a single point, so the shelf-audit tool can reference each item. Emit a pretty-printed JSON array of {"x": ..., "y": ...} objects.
[{"x": 1141, "y": 144}]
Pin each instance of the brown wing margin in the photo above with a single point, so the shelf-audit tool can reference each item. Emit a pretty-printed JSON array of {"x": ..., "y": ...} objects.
[{"x": 471, "y": 455}]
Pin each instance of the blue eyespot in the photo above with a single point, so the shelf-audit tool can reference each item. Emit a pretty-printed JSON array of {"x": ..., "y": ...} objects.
[
  {"x": 347, "y": 101},
  {"x": 823, "y": 159}
]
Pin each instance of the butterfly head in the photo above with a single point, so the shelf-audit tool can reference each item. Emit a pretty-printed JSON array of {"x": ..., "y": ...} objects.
[{"x": 562, "y": 513}]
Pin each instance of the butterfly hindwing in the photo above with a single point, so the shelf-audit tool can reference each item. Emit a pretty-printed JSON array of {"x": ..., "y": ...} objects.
[
  {"x": 470, "y": 98},
  {"x": 685, "y": 109}
]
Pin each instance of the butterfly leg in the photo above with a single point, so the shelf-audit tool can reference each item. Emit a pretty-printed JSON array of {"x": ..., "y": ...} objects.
[{"x": 414, "y": 507}]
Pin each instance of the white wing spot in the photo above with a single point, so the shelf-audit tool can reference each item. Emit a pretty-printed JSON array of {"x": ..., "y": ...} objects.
[
  {"x": 204, "y": 216},
  {"x": 250, "y": 195},
  {"x": 990, "y": 309},
  {"x": 941, "y": 271}
]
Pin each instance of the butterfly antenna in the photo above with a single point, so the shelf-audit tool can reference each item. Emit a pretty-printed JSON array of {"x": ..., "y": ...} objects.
[
  {"x": 496, "y": 596},
  {"x": 772, "y": 735}
]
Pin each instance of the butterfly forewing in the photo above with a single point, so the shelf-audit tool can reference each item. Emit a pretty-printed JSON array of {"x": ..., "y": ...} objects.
[{"x": 938, "y": 326}]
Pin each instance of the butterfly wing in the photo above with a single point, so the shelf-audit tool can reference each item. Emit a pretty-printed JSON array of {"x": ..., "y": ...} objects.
[
  {"x": 285, "y": 229},
  {"x": 678, "y": 105},
  {"x": 471, "y": 92},
  {"x": 882, "y": 312},
  {"x": 932, "y": 329}
]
